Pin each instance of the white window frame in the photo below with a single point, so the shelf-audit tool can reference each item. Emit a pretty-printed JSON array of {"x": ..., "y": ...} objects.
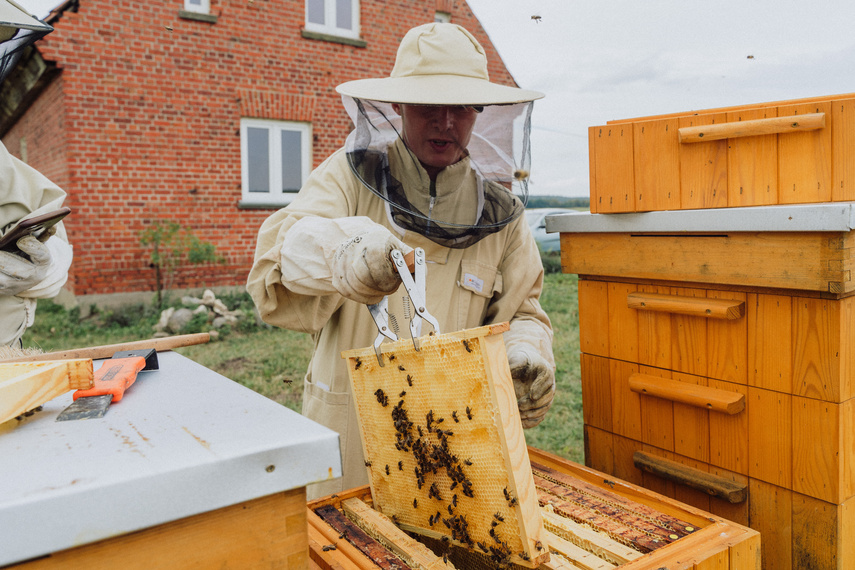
[
  {"x": 204, "y": 7},
  {"x": 329, "y": 25},
  {"x": 274, "y": 129}
]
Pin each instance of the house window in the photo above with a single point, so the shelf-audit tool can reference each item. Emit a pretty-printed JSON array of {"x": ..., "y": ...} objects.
[
  {"x": 275, "y": 160},
  {"x": 333, "y": 17},
  {"x": 442, "y": 17},
  {"x": 200, "y": 6}
]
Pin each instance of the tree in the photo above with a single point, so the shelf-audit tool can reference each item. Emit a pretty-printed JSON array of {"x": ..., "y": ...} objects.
[{"x": 172, "y": 246}]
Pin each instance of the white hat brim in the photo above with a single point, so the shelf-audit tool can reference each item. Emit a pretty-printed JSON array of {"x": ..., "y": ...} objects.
[{"x": 436, "y": 90}]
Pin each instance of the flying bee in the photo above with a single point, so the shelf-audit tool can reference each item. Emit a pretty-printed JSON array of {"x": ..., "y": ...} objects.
[
  {"x": 536, "y": 18},
  {"x": 520, "y": 175}
]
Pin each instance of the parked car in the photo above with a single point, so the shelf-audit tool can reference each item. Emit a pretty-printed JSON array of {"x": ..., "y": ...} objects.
[{"x": 536, "y": 218}]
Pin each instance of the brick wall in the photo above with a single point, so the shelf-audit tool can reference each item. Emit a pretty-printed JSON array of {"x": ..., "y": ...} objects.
[{"x": 143, "y": 123}]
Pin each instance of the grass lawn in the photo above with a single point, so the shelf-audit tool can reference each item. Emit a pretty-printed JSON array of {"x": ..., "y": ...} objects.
[{"x": 273, "y": 361}]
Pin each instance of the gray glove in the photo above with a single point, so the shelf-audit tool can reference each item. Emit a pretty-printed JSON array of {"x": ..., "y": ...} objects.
[
  {"x": 18, "y": 273},
  {"x": 534, "y": 384},
  {"x": 362, "y": 268}
]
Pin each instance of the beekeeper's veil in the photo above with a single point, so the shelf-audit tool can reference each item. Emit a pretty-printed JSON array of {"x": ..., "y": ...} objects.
[
  {"x": 443, "y": 65},
  {"x": 18, "y": 30}
]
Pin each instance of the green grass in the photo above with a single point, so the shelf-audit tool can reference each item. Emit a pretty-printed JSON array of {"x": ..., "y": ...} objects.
[{"x": 273, "y": 361}]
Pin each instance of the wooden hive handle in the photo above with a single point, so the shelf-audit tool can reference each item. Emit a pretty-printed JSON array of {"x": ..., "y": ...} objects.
[
  {"x": 729, "y": 309},
  {"x": 731, "y": 491},
  {"x": 770, "y": 126},
  {"x": 699, "y": 396}
]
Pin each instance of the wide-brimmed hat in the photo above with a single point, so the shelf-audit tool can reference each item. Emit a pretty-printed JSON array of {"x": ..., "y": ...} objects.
[{"x": 438, "y": 64}]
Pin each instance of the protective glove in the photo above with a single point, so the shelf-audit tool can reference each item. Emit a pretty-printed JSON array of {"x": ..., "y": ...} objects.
[
  {"x": 17, "y": 273},
  {"x": 362, "y": 268},
  {"x": 534, "y": 383}
]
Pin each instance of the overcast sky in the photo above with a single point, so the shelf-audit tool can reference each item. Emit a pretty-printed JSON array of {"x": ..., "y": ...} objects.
[{"x": 616, "y": 59}]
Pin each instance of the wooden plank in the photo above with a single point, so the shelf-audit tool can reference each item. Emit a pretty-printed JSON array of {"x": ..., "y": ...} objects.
[
  {"x": 24, "y": 386},
  {"x": 770, "y": 513},
  {"x": 804, "y": 159},
  {"x": 381, "y": 528},
  {"x": 770, "y": 330},
  {"x": 443, "y": 440},
  {"x": 690, "y": 477},
  {"x": 694, "y": 550},
  {"x": 722, "y": 401},
  {"x": 599, "y": 449},
  {"x": 816, "y": 348},
  {"x": 359, "y": 538},
  {"x": 623, "y": 323},
  {"x": 727, "y": 342},
  {"x": 344, "y": 556},
  {"x": 654, "y": 332},
  {"x": 656, "y": 162},
  {"x": 596, "y": 391},
  {"x": 688, "y": 495},
  {"x": 818, "y": 449},
  {"x": 593, "y": 317},
  {"x": 589, "y": 539},
  {"x": 752, "y": 171},
  {"x": 612, "y": 173},
  {"x": 729, "y": 434},
  {"x": 847, "y": 349},
  {"x": 758, "y": 127},
  {"x": 657, "y": 414},
  {"x": 626, "y": 404},
  {"x": 579, "y": 557},
  {"x": 735, "y": 512},
  {"x": 107, "y": 351},
  {"x": 267, "y": 532},
  {"x": 691, "y": 424},
  {"x": 817, "y": 534},
  {"x": 692, "y": 306},
  {"x": 688, "y": 337},
  {"x": 842, "y": 150},
  {"x": 797, "y": 260},
  {"x": 770, "y": 436},
  {"x": 703, "y": 167}
]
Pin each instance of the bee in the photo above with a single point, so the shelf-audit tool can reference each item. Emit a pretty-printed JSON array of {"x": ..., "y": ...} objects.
[
  {"x": 415, "y": 503},
  {"x": 507, "y": 495},
  {"x": 450, "y": 510},
  {"x": 387, "y": 470},
  {"x": 538, "y": 545},
  {"x": 525, "y": 556},
  {"x": 467, "y": 346},
  {"x": 358, "y": 363},
  {"x": 454, "y": 500},
  {"x": 395, "y": 520},
  {"x": 512, "y": 502},
  {"x": 391, "y": 357},
  {"x": 499, "y": 517},
  {"x": 536, "y": 18},
  {"x": 467, "y": 462},
  {"x": 409, "y": 380},
  {"x": 402, "y": 394},
  {"x": 482, "y": 546},
  {"x": 468, "y": 412},
  {"x": 168, "y": 28},
  {"x": 368, "y": 464},
  {"x": 520, "y": 175},
  {"x": 401, "y": 368},
  {"x": 328, "y": 547},
  {"x": 400, "y": 466},
  {"x": 343, "y": 534},
  {"x": 454, "y": 417}
]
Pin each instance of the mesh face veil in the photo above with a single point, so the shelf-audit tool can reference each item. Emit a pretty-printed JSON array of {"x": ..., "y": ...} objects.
[
  {"x": 18, "y": 30},
  {"x": 468, "y": 200}
]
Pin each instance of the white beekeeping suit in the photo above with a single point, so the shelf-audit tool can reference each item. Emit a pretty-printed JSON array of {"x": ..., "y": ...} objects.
[{"x": 39, "y": 268}]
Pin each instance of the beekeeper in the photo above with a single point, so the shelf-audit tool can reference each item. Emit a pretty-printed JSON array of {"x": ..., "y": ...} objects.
[
  {"x": 438, "y": 159},
  {"x": 43, "y": 269}
]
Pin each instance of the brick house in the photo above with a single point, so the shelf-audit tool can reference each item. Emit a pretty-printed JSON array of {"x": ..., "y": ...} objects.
[{"x": 193, "y": 110}]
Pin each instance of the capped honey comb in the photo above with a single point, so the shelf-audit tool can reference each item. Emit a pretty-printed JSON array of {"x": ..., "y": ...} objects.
[{"x": 444, "y": 446}]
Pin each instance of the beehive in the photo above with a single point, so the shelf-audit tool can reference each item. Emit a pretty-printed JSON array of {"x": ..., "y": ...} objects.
[
  {"x": 789, "y": 152},
  {"x": 445, "y": 450},
  {"x": 592, "y": 521}
]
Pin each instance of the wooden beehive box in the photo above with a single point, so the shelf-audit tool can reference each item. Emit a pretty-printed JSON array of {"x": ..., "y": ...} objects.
[
  {"x": 788, "y": 152},
  {"x": 592, "y": 520},
  {"x": 445, "y": 450}
]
